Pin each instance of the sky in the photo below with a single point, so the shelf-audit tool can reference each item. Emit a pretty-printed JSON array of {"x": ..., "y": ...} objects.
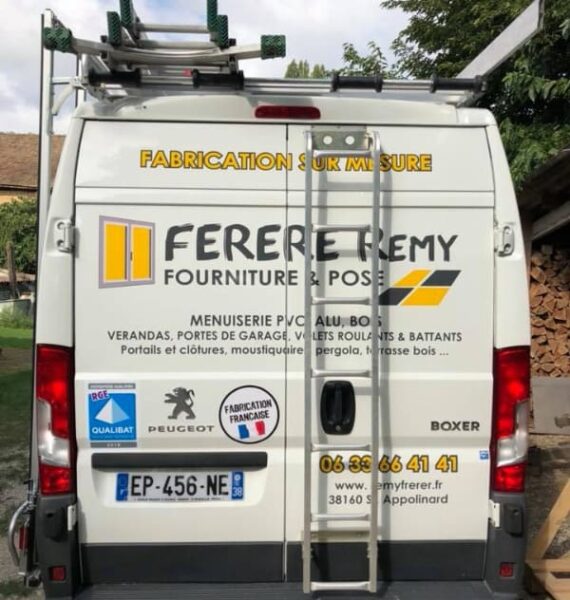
[{"x": 315, "y": 30}]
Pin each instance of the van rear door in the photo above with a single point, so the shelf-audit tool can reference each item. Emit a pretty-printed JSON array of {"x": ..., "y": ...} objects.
[
  {"x": 180, "y": 418},
  {"x": 436, "y": 348}
]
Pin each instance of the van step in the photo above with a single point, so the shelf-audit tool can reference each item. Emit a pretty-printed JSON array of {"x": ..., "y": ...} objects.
[
  {"x": 341, "y": 447},
  {"x": 406, "y": 590},
  {"x": 365, "y": 300},
  {"x": 341, "y": 373},
  {"x": 323, "y": 517},
  {"x": 339, "y": 586},
  {"x": 321, "y": 228}
]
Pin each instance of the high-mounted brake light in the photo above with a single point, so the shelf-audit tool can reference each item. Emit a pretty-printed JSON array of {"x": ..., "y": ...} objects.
[
  {"x": 510, "y": 418},
  {"x": 54, "y": 398},
  {"x": 272, "y": 111}
]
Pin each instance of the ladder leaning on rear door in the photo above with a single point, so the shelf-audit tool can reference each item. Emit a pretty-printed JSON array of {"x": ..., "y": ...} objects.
[{"x": 322, "y": 143}]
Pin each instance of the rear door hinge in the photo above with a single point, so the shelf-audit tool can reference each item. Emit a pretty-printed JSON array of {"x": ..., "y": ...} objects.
[
  {"x": 505, "y": 239},
  {"x": 494, "y": 513},
  {"x": 71, "y": 516},
  {"x": 64, "y": 235}
]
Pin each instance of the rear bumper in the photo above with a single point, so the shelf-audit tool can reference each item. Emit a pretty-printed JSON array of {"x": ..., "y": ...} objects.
[{"x": 416, "y": 590}]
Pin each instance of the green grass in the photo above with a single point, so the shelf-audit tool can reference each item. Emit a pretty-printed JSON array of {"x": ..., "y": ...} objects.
[
  {"x": 16, "y": 320},
  {"x": 11, "y": 337},
  {"x": 15, "y": 406},
  {"x": 6, "y": 511},
  {"x": 14, "y": 587}
]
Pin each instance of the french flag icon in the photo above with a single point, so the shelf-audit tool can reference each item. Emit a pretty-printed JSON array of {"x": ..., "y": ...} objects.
[{"x": 244, "y": 430}]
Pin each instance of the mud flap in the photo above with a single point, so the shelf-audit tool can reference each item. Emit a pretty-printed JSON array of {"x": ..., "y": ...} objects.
[
  {"x": 57, "y": 546},
  {"x": 507, "y": 544}
]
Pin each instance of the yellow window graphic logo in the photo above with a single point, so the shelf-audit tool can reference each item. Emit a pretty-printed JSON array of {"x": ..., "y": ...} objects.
[
  {"x": 420, "y": 287},
  {"x": 126, "y": 252}
]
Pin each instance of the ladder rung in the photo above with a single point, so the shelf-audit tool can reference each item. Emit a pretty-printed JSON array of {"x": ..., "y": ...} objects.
[
  {"x": 319, "y": 517},
  {"x": 341, "y": 448},
  {"x": 347, "y": 373},
  {"x": 333, "y": 228},
  {"x": 160, "y": 28},
  {"x": 341, "y": 586},
  {"x": 170, "y": 45},
  {"x": 342, "y": 153},
  {"x": 356, "y": 300}
]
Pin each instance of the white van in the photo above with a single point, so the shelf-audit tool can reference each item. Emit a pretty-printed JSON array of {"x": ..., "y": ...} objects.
[{"x": 196, "y": 431}]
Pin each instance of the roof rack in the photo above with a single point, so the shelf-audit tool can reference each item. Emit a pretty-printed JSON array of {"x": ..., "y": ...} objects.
[{"x": 126, "y": 62}]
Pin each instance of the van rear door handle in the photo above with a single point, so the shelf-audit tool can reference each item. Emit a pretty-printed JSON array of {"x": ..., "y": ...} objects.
[{"x": 338, "y": 407}]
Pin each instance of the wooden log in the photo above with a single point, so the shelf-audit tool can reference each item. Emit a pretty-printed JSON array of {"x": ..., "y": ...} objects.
[
  {"x": 538, "y": 289},
  {"x": 550, "y": 564},
  {"x": 551, "y": 525},
  {"x": 550, "y": 324},
  {"x": 549, "y": 303},
  {"x": 549, "y": 297},
  {"x": 538, "y": 274}
]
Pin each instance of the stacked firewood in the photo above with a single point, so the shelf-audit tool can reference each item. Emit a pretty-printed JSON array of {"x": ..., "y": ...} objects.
[{"x": 550, "y": 311}]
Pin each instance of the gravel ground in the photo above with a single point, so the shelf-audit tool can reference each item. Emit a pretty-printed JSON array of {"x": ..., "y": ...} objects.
[
  {"x": 9, "y": 581},
  {"x": 544, "y": 483},
  {"x": 548, "y": 472}
]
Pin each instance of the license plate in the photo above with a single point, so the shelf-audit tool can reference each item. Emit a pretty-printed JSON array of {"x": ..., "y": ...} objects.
[{"x": 180, "y": 487}]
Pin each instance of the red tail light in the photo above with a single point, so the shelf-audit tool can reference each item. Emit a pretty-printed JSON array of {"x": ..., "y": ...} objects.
[
  {"x": 507, "y": 570},
  {"x": 272, "y": 111},
  {"x": 510, "y": 418},
  {"x": 54, "y": 401},
  {"x": 23, "y": 538},
  {"x": 57, "y": 573}
]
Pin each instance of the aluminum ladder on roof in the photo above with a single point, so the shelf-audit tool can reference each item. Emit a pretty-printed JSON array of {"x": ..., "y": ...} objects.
[{"x": 342, "y": 142}]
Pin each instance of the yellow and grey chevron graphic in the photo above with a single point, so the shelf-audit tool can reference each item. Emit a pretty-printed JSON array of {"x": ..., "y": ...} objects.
[{"x": 420, "y": 287}]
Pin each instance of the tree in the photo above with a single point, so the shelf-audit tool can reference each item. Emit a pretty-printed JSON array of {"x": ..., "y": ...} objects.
[
  {"x": 319, "y": 72},
  {"x": 444, "y": 35},
  {"x": 18, "y": 225},
  {"x": 356, "y": 64},
  {"x": 302, "y": 70},
  {"x": 529, "y": 95}
]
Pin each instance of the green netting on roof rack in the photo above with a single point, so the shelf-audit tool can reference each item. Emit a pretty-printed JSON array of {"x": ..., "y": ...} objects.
[
  {"x": 57, "y": 38},
  {"x": 222, "y": 30},
  {"x": 273, "y": 46},
  {"x": 212, "y": 15},
  {"x": 115, "y": 37},
  {"x": 127, "y": 14}
]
